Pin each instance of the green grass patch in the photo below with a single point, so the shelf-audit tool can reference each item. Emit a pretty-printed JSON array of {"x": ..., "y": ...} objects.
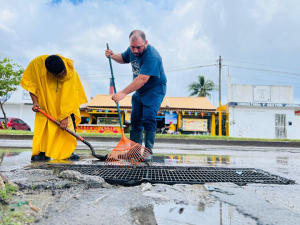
[
  {"x": 16, "y": 132},
  {"x": 4, "y": 150},
  {"x": 208, "y": 137},
  {"x": 8, "y": 191},
  {"x": 166, "y": 136},
  {"x": 15, "y": 218},
  {"x": 4, "y": 195},
  {"x": 197, "y": 137}
]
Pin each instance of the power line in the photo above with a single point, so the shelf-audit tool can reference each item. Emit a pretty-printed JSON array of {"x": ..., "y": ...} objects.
[
  {"x": 278, "y": 75},
  {"x": 293, "y": 84},
  {"x": 166, "y": 70},
  {"x": 261, "y": 64},
  {"x": 194, "y": 62},
  {"x": 265, "y": 70},
  {"x": 125, "y": 74},
  {"x": 189, "y": 68},
  {"x": 277, "y": 72}
]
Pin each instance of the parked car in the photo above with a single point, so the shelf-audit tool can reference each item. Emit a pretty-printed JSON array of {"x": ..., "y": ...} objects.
[{"x": 14, "y": 123}]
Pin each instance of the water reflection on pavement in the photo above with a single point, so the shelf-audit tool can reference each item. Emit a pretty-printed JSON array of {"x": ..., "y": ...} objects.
[
  {"x": 212, "y": 213},
  {"x": 280, "y": 163},
  {"x": 285, "y": 163},
  {"x": 12, "y": 159}
]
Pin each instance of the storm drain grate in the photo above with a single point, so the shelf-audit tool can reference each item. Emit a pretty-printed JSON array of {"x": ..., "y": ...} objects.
[{"x": 173, "y": 175}]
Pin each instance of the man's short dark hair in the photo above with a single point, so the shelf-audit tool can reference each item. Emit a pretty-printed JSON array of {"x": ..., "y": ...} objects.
[
  {"x": 136, "y": 34},
  {"x": 54, "y": 64}
]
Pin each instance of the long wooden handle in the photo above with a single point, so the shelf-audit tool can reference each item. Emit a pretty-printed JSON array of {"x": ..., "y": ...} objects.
[
  {"x": 58, "y": 124},
  {"x": 113, "y": 81}
]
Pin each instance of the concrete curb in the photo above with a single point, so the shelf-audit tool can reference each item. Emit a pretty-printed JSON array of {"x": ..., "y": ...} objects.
[{"x": 178, "y": 141}]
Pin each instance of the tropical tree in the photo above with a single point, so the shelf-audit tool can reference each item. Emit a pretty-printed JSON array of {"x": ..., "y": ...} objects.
[
  {"x": 10, "y": 77},
  {"x": 202, "y": 87}
]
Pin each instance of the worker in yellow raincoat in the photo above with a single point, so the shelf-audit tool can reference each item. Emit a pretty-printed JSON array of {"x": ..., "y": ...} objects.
[{"x": 54, "y": 87}]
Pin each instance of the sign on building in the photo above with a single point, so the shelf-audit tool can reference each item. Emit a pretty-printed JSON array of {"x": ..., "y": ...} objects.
[
  {"x": 257, "y": 104},
  {"x": 26, "y": 95},
  {"x": 194, "y": 124},
  {"x": 170, "y": 117},
  {"x": 261, "y": 93}
]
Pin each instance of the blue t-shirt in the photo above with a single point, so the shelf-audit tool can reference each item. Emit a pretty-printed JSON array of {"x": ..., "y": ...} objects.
[{"x": 150, "y": 63}]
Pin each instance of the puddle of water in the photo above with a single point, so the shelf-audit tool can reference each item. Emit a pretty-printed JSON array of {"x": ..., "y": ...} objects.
[
  {"x": 19, "y": 158},
  {"x": 14, "y": 159},
  {"x": 199, "y": 160},
  {"x": 11, "y": 159},
  {"x": 213, "y": 213}
]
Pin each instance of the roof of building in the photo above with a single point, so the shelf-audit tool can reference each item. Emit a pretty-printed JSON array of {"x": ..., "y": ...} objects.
[{"x": 199, "y": 104}]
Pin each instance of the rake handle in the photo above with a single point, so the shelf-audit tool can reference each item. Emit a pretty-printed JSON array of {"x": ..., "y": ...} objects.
[
  {"x": 113, "y": 81},
  {"x": 58, "y": 124}
]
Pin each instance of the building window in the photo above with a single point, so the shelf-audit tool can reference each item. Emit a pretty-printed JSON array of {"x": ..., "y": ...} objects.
[{"x": 280, "y": 125}]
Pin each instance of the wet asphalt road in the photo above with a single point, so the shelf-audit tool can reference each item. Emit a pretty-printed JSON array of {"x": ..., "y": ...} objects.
[{"x": 252, "y": 204}]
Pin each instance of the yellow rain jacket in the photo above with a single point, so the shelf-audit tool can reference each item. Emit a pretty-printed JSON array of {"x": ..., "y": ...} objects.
[{"x": 58, "y": 97}]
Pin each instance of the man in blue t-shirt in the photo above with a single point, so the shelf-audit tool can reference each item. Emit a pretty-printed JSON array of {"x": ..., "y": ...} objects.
[{"x": 149, "y": 83}]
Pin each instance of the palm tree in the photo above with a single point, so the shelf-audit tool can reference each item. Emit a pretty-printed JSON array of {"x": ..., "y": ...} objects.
[{"x": 202, "y": 87}]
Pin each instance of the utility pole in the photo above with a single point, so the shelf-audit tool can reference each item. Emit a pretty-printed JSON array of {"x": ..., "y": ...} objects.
[{"x": 220, "y": 111}]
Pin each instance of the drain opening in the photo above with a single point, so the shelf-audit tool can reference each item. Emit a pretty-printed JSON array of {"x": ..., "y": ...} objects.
[{"x": 173, "y": 175}]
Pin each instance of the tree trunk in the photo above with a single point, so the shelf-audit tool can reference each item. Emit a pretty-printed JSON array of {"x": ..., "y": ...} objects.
[{"x": 5, "y": 122}]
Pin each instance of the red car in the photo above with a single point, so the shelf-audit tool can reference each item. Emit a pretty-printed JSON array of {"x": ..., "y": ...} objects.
[{"x": 15, "y": 124}]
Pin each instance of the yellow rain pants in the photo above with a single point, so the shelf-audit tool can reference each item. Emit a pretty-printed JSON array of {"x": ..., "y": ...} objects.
[{"x": 58, "y": 97}]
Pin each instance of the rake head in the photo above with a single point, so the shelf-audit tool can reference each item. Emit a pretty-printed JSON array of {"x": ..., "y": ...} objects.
[{"x": 127, "y": 153}]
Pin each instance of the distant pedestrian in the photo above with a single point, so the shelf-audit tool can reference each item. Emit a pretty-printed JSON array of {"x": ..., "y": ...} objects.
[{"x": 172, "y": 128}]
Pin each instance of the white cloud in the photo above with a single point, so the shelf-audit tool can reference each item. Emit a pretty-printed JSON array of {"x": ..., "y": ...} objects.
[
  {"x": 6, "y": 15},
  {"x": 186, "y": 34},
  {"x": 183, "y": 9},
  {"x": 5, "y": 29},
  {"x": 266, "y": 10}
]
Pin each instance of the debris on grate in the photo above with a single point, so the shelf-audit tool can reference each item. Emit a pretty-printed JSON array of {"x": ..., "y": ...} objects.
[{"x": 172, "y": 175}]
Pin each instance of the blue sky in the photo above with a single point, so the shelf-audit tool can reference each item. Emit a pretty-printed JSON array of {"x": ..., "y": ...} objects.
[
  {"x": 257, "y": 39},
  {"x": 75, "y": 2}
]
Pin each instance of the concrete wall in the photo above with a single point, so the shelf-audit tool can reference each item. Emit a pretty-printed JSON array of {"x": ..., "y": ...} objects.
[
  {"x": 282, "y": 94},
  {"x": 259, "y": 93},
  {"x": 87, "y": 87},
  {"x": 296, "y": 134},
  {"x": 11, "y": 110},
  {"x": 277, "y": 94},
  {"x": 255, "y": 122}
]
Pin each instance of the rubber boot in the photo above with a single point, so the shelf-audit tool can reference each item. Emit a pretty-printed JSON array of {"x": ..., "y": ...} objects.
[
  {"x": 149, "y": 143},
  {"x": 136, "y": 136},
  {"x": 74, "y": 157},
  {"x": 40, "y": 157}
]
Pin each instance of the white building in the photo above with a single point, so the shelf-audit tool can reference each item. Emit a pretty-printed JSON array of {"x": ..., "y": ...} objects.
[
  {"x": 262, "y": 111},
  {"x": 20, "y": 104}
]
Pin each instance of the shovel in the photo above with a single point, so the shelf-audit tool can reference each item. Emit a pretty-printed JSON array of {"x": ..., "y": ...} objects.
[{"x": 101, "y": 157}]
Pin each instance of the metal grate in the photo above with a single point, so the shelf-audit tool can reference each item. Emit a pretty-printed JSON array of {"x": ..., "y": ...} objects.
[{"x": 173, "y": 175}]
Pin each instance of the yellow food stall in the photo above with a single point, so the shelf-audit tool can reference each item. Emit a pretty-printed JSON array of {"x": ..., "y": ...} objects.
[
  {"x": 106, "y": 122},
  {"x": 103, "y": 115},
  {"x": 190, "y": 115}
]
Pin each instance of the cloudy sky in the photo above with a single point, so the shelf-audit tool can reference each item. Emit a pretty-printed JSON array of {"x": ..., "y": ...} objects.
[{"x": 257, "y": 39}]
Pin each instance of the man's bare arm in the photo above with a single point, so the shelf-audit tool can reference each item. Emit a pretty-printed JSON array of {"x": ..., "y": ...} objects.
[
  {"x": 115, "y": 56},
  {"x": 36, "y": 105},
  {"x": 136, "y": 84}
]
